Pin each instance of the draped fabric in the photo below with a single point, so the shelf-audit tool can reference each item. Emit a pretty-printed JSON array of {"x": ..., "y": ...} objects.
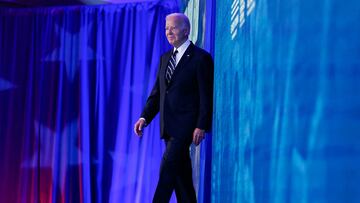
[{"x": 73, "y": 81}]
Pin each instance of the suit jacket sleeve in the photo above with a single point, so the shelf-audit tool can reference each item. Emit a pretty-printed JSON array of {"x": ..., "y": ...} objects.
[
  {"x": 205, "y": 77},
  {"x": 153, "y": 102}
]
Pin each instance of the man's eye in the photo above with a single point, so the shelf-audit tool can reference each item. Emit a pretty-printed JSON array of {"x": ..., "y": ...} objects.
[{"x": 170, "y": 28}]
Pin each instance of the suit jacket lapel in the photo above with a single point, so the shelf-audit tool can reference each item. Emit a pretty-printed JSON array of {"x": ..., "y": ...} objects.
[
  {"x": 164, "y": 64},
  {"x": 183, "y": 61}
]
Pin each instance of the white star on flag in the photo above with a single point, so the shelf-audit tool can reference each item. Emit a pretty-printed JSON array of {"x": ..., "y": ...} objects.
[{"x": 74, "y": 50}]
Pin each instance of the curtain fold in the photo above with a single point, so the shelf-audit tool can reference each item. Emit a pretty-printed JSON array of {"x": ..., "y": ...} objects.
[{"x": 73, "y": 80}]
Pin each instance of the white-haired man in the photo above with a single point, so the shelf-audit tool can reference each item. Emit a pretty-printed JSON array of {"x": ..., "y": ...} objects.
[{"x": 182, "y": 94}]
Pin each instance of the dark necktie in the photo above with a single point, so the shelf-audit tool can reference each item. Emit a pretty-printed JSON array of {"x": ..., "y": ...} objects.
[{"x": 171, "y": 67}]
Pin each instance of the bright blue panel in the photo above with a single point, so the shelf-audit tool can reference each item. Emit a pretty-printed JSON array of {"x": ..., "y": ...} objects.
[{"x": 287, "y": 101}]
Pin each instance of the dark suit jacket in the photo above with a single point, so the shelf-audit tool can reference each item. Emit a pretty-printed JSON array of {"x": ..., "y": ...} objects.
[{"x": 186, "y": 102}]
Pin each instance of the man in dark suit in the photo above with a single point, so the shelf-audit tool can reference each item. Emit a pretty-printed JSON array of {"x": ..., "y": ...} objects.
[{"x": 182, "y": 94}]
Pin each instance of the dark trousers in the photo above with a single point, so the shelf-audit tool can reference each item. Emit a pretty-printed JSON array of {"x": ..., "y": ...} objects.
[{"x": 175, "y": 173}]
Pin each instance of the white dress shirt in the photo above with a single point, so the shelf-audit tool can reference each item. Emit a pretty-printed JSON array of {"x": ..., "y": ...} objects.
[{"x": 181, "y": 50}]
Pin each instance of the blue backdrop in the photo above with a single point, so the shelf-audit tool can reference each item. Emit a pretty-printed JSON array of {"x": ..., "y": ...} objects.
[
  {"x": 287, "y": 101},
  {"x": 73, "y": 81}
]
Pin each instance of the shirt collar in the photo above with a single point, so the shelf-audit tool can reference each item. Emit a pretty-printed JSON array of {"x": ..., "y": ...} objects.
[{"x": 181, "y": 49}]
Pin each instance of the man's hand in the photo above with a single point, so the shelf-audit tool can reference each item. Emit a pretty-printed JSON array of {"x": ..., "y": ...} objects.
[
  {"x": 198, "y": 136},
  {"x": 139, "y": 126}
]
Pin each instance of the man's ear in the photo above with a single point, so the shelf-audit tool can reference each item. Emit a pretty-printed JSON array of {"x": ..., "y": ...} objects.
[{"x": 187, "y": 31}]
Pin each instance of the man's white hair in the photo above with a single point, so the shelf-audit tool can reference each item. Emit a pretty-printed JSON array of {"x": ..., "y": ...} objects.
[{"x": 184, "y": 18}]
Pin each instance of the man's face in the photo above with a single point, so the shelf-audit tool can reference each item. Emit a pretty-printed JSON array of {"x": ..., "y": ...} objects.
[{"x": 175, "y": 32}]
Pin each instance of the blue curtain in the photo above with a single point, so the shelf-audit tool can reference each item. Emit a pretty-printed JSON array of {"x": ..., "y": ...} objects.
[{"x": 73, "y": 81}]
